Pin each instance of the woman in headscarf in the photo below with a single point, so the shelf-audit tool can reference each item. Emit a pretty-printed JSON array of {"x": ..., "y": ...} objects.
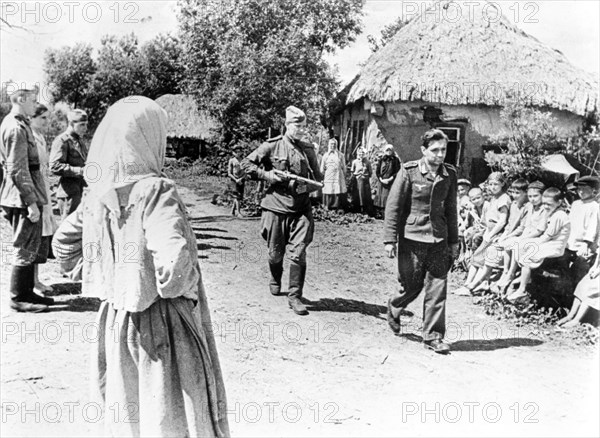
[
  {"x": 333, "y": 168},
  {"x": 361, "y": 172},
  {"x": 386, "y": 170},
  {"x": 156, "y": 360}
]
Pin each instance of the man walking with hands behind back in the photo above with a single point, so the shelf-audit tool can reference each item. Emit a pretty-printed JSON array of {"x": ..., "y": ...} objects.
[
  {"x": 286, "y": 209},
  {"x": 421, "y": 218}
]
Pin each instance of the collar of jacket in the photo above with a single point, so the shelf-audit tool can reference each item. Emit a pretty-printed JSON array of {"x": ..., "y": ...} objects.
[
  {"x": 70, "y": 131},
  {"x": 425, "y": 170},
  {"x": 22, "y": 118}
]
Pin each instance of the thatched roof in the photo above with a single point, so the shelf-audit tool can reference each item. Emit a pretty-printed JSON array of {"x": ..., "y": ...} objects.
[
  {"x": 438, "y": 57},
  {"x": 185, "y": 120}
]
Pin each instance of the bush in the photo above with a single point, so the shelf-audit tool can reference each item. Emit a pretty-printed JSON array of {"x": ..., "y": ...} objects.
[{"x": 533, "y": 135}]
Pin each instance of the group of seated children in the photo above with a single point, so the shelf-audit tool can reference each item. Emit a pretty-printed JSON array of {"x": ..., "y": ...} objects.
[{"x": 520, "y": 231}]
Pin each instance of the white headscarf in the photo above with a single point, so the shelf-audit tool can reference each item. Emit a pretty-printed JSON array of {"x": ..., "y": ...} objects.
[{"x": 128, "y": 146}]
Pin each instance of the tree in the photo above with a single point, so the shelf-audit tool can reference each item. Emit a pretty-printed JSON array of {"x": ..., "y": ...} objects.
[
  {"x": 162, "y": 67},
  {"x": 247, "y": 60},
  {"x": 387, "y": 33},
  {"x": 532, "y": 136},
  {"x": 122, "y": 68},
  {"x": 69, "y": 71}
]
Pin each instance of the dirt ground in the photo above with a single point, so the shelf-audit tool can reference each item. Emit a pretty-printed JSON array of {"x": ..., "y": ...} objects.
[{"x": 337, "y": 372}]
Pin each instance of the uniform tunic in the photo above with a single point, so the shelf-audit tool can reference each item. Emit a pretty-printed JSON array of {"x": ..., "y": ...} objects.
[
  {"x": 421, "y": 215},
  {"x": 67, "y": 157}
]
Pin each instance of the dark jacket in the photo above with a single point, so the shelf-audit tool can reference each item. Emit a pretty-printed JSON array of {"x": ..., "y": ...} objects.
[
  {"x": 284, "y": 154},
  {"x": 421, "y": 207},
  {"x": 67, "y": 158}
]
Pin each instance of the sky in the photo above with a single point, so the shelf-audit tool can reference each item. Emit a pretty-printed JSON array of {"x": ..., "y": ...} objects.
[{"x": 571, "y": 26}]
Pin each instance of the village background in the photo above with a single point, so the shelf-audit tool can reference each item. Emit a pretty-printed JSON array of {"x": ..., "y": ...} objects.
[{"x": 340, "y": 371}]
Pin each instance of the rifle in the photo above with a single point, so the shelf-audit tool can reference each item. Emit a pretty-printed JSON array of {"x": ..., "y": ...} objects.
[{"x": 297, "y": 183}]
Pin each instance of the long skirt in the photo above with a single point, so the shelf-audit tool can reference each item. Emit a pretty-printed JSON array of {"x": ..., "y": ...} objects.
[
  {"x": 153, "y": 373},
  {"x": 383, "y": 191}
]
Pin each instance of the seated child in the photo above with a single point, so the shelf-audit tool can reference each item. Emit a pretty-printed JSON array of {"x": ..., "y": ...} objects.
[
  {"x": 587, "y": 295},
  {"x": 475, "y": 212},
  {"x": 533, "y": 225},
  {"x": 533, "y": 251},
  {"x": 494, "y": 255},
  {"x": 496, "y": 217},
  {"x": 585, "y": 224}
]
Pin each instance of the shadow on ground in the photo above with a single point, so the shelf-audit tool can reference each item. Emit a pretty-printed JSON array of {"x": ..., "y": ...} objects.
[
  {"x": 481, "y": 344},
  {"x": 344, "y": 305}
]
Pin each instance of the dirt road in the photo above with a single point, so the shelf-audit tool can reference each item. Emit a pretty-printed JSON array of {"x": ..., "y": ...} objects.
[{"x": 337, "y": 372}]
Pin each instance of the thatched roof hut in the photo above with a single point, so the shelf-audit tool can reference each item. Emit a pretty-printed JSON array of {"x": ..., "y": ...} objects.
[
  {"x": 455, "y": 55},
  {"x": 189, "y": 130},
  {"x": 185, "y": 120},
  {"x": 453, "y": 68}
]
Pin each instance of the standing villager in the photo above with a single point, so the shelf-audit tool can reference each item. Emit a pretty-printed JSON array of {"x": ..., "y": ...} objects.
[
  {"x": 333, "y": 169},
  {"x": 286, "y": 208},
  {"x": 421, "y": 228},
  {"x": 67, "y": 160},
  {"x": 236, "y": 175},
  {"x": 156, "y": 351},
  {"x": 22, "y": 198},
  {"x": 39, "y": 125},
  {"x": 386, "y": 170},
  {"x": 316, "y": 196},
  {"x": 361, "y": 172}
]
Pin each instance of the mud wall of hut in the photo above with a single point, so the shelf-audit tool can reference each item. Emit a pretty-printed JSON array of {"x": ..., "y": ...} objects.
[{"x": 401, "y": 124}]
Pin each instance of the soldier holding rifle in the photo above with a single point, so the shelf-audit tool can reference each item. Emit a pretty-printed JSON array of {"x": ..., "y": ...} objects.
[{"x": 290, "y": 166}]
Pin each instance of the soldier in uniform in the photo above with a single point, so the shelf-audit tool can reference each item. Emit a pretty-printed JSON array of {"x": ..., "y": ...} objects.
[
  {"x": 22, "y": 198},
  {"x": 421, "y": 218},
  {"x": 286, "y": 208},
  {"x": 67, "y": 160}
]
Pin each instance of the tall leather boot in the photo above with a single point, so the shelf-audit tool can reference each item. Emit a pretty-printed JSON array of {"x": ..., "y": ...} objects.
[
  {"x": 297, "y": 275},
  {"x": 275, "y": 281},
  {"x": 21, "y": 289}
]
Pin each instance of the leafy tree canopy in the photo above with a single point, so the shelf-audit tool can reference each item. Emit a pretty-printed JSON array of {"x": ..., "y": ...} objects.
[
  {"x": 122, "y": 67},
  {"x": 247, "y": 60}
]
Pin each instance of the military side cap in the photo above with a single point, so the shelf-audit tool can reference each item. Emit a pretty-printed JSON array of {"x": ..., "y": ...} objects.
[
  {"x": 294, "y": 115},
  {"x": 77, "y": 115},
  {"x": 590, "y": 181},
  {"x": 12, "y": 87},
  {"x": 464, "y": 182}
]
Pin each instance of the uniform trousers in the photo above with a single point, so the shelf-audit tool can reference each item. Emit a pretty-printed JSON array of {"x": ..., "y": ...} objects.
[
  {"x": 29, "y": 246},
  {"x": 296, "y": 230},
  {"x": 423, "y": 268}
]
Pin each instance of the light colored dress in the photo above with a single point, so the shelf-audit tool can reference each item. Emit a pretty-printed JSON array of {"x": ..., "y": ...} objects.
[
  {"x": 48, "y": 220},
  {"x": 156, "y": 351},
  {"x": 333, "y": 166},
  {"x": 532, "y": 252},
  {"x": 490, "y": 219}
]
